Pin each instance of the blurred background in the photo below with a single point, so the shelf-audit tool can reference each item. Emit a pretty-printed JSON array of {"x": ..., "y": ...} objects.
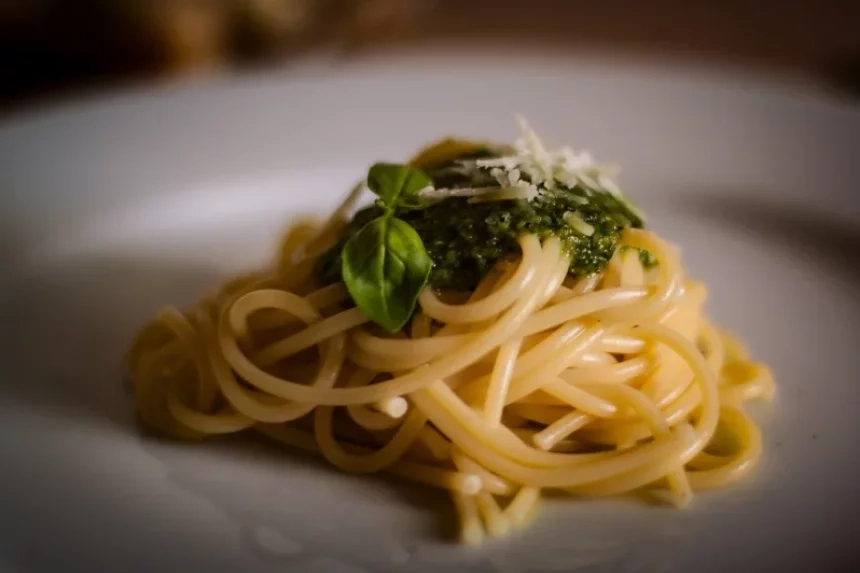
[{"x": 54, "y": 48}]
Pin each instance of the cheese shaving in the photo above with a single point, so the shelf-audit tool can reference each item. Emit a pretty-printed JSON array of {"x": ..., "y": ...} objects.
[
  {"x": 531, "y": 169},
  {"x": 575, "y": 222}
]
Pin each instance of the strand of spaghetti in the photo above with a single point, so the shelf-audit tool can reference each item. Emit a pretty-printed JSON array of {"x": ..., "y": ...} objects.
[
  {"x": 557, "y": 276},
  {"x": 680, "y": 492},
  {"x": 582, "y": 286},
  {"x": 632, "y": 272},
  {"x": 736, "y": 394},
  {"x": 420, "y": 350},
  {"x": 707, "y": 383},
  {"x": 612, "y": 271},
  {"x": 713, "y": 346},
  {"x": 152, "y": 337},
  {"x": 498, "y": 274},
  {"x": 369, "y": 420},
  {"x": 319, "y": 299},
  {"x": 293, "y": 277},
  {"x": 312, "y": 335},
  {"x": 405, "y": 354},
  {"x": 470, "y": 352},
  {"x": 539, "y": 414},
  {"x": 491, "y": 305},
  {"x": 652, "y": 417},
  {"x": 527, "y": 382},
  {"x": 554, "y": 433},
  {"x": 536, "y": 349},
  {"x": 673, "y": 375},
  {"x": 631, "y": 429},
  {"x": 579, "y": 399},
  {"x": 504, "y": 441},
  {"x": 394, "y": 407},
  {"x": 580, "y": 306},
  {"x": 563, "y": 293},
  {"x": 551, "y": 287},
  {"x": 670, "y": 278},
  {"x": 223, "y": 422},
  {"x": 199, "y": 422},
  {"x": 422, "y": 473},
  {"x": 618, "y": 373},
  {"x": 500, "y": 380},
  {"x": 295, "y": 240},
  {"x": 245, "y": 283},
  {"x": 668, "y": 284},
  {"x": 374, "y": 461},
  {"x": 702, "y": 395},
  {"x": 438, "y": 446},
  {"x": 265, "y": 299},
  {"x": 490, "y": 481},
  {"x": 625, "y": 427},
  {"x": 149, "y": 388},
  {"x": 586, "y": 284},
  {"x": 523, "y": 505},
  {"x": 384, "y": 365},
  {"x": 244, "y": 401},
  {"x": 566, "y": 446},
  {"x": 421, "y": 326},
  {"x": 276, "y": 410},
  {"x": 471, "y": 531},
  {"x": 307, "y": 338},
  {"x": 594, "y": 357},
  {"x": 604, "y": 431},
  {"x": 737, "y": 466},
  {"x": 361, "y": 414},
  {"x": 468, "y": 433},
  {"x": 552, "y": 345},
  {"x": 635, "y": 400},
  {"x": 494, "y": 520},
  {"x": 735, "y": 350},
  {"x": 618, "y": 344},
  {"x": 746, "y": 381},
  {"x": 656, "y": 468},
  {"x": 208, "y": 384},
  {"x": 167, "y": 358},
  {"x": 220, "y": 423},
  {"x": 541, "y": 398},
  {"x": 670, "y": 378}
]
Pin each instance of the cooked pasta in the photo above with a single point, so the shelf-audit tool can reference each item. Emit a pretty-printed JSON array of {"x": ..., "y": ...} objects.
[{"x": 535, "y": 378}]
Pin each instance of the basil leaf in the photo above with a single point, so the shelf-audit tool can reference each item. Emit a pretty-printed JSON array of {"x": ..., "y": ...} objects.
[
  {"x": 397, "y": 185},
  {"x": 385, "y": 266}
]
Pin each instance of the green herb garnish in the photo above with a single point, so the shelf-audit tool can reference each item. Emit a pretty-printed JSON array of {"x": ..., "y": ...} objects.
[
  {"x": 479, "y": 200},
  {"x": 385, "y": 265},
  {"x": 397, "y": 186}
]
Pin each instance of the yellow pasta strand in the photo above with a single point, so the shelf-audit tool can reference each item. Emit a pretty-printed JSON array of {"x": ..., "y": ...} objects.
[{"x": 597, "y": 386}]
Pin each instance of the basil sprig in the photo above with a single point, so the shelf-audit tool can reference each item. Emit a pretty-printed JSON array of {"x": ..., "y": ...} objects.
[
  {"x": 385, "y": 264},
  {"x": 397, "y": 185}
]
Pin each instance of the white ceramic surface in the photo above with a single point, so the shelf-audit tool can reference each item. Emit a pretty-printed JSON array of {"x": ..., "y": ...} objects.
[{"x": 114, "y": 206}]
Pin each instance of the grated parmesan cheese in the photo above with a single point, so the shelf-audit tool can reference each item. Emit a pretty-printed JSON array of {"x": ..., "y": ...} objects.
[
  {"x": 432, "y": 194},
  {"x": 520, "y": 190},
  {"x": 531, "y": 169},
  {"x": 575, "y": 222},
  {"x": 548, "y": 168}
]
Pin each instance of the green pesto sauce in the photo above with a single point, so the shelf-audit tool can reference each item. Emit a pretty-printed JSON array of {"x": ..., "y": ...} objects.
[{"x": 465, "y": 240}]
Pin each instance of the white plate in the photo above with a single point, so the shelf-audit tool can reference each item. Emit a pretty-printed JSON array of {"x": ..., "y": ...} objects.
[{"x": 112, "y": 207}]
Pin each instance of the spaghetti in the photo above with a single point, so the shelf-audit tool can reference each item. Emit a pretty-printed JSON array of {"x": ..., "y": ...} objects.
[{"x": 595, "y": 385}]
